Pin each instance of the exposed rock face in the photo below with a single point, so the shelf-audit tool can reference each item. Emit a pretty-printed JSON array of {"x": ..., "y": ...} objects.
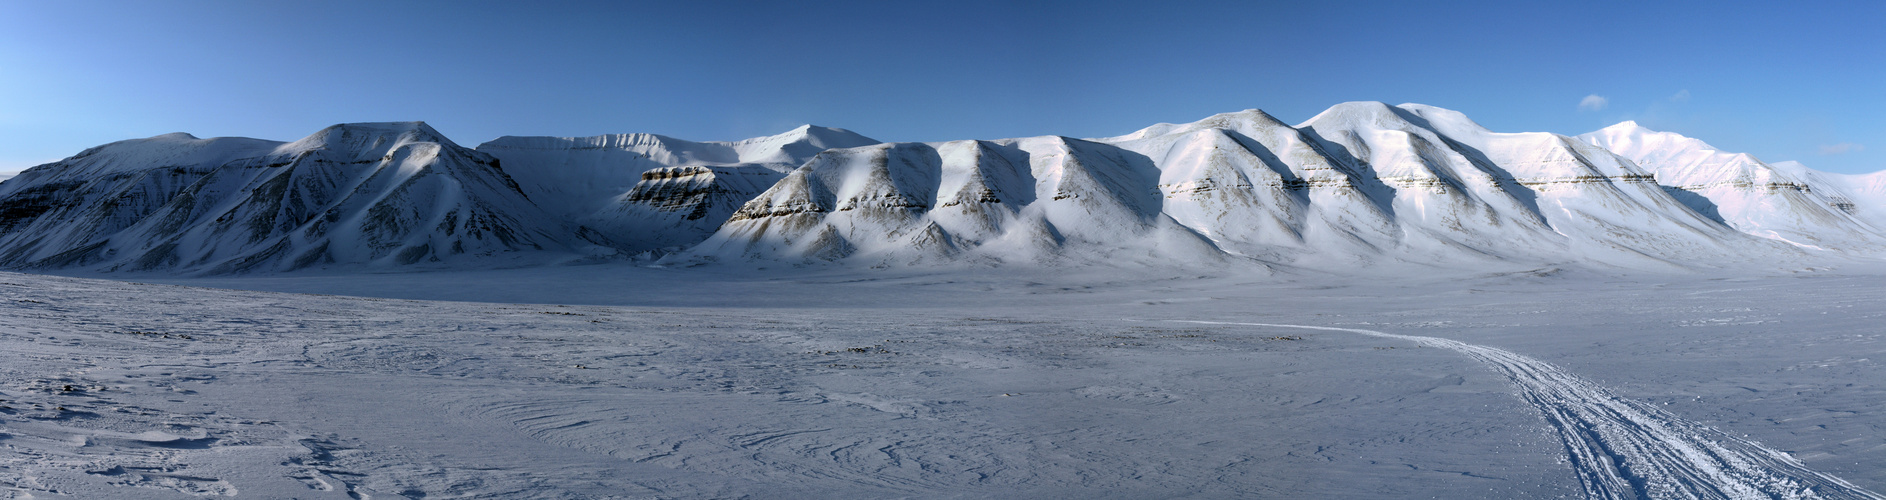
[{"x": 369, "y": 193}]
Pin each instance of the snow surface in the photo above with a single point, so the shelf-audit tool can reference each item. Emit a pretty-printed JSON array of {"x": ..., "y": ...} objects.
[{"x": 628, "y": 382}]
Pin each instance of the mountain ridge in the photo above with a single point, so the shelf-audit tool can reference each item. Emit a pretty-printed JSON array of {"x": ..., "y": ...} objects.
[{"x": 1358, "y": 185}]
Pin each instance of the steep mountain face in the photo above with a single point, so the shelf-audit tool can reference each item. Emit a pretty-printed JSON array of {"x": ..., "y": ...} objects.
[
  {"x": 1796, "y": 205},
  {"x": 366, "y": 193},
  {"x": 645, "y": 192},
  {"x": 1357, "y": 184}
]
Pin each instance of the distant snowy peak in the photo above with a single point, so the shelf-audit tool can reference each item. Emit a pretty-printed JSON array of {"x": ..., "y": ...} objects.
[
  {"x": 1248, "y": 122},
  {"x": 174, "y": 149},
  {"x": 1796, "y": 205},
  {"x": 1682, "y": 161},
  {"x": 797, "y": 145},
  {"x": 369, "y": 138}
]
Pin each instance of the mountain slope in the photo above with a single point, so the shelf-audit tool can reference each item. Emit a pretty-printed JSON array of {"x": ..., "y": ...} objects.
[
  {"x": 365, "y": 193},
  {"x": 1743, "y": 192},
  {"x": 1863, "y": 196}
]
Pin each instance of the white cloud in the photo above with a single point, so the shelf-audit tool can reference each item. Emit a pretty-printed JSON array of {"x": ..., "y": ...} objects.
[
  {"x": 1845, "y": 147},
  {"x": 1681, "y": 96},
  {"x": 1593, "y": 102}
]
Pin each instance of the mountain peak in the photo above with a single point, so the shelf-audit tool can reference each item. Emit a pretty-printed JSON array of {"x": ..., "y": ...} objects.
[
  {"x": 798, "y": 144},
  {"x": 1629, "y": 138},
  {"x": 177, "y": 136},
  {"x": 375, "y": 137},
  {"x": 1627, "y": 127},
  {"x": 1443, "y": 120},
  {"x": 1246, "y": 121},
  {"x": 1357, "y": 114},
  {"x": 836, "y": 137},
  {"x": 414, "y": 129}
]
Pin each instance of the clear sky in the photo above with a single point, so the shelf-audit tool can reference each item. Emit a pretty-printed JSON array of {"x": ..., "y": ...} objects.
[{"x": 1782, "y": 80}]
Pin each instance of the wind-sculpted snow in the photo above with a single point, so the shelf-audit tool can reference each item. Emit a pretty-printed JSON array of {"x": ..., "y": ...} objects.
[
  {"x": 1625, "y": 449},
  {"x": 373, "y": 193}
]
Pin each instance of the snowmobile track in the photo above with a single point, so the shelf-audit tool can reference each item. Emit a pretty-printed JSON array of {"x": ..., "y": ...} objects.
[{"x": 1621, "y": 448}]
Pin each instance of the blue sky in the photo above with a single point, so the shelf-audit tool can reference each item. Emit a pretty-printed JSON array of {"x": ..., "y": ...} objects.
[{"x": 1776, "y": 80}]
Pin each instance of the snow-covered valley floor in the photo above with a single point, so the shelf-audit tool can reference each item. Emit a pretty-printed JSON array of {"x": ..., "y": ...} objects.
[{"x": 639, "y": 383}]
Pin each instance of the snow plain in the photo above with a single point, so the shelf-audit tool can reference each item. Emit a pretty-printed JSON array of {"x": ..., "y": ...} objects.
[{"x": 615, "y": 381}]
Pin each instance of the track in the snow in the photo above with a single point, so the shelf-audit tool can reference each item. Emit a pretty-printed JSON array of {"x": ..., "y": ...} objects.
[{"x": 1622, "y": 448}]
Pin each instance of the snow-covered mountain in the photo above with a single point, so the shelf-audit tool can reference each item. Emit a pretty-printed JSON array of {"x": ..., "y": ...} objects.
[
  {"x": 364, "y": 193},
  {"x": 1863, "y": 195},
  {"x": 1794, "y": 204},
  {"x": 645, "y": 191},
  {"x": 1362, "y": 183}
]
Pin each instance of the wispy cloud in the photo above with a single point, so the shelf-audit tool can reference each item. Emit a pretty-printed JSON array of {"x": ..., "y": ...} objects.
[
  {"x": 1845, "y": 147},
  {"x": 1681, "y": 96},
  {"x": 1593, "y": 102}
]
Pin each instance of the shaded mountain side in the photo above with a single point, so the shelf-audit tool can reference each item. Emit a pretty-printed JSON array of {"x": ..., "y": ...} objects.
[{"x": 378, "y": 194}]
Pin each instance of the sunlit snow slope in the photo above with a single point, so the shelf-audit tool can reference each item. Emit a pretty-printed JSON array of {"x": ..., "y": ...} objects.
[{"x": 1794, "y": 204}]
